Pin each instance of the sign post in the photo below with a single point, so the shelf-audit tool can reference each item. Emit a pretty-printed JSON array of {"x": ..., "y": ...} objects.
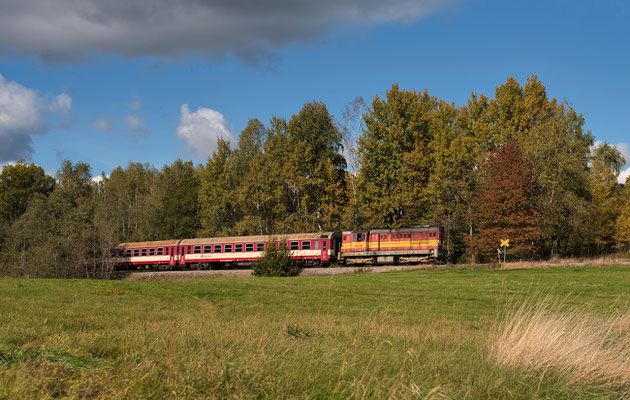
[{"x": 505, "y": 243}]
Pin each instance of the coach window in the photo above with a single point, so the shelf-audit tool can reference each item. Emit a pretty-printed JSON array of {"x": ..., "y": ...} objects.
[
  {"x": 238, "y": 248},
  {"x": 316, "y": 245},
  {"x": 128, "y": 253},
  {"x": 260, "y": 247},
  {"x": 144, "y": 252},
  {"x": 197, "y": 249},
  {"x": 151, "y": 252},
  {"x": 249, "y": 247},
  {"x": 228, "y": 248},
  {"x": 295, "y": 245},
  {"x": 217, "y": 248},
  {"x": 354, "y": 237},
  {"x": 207, "y": 249},
  {"x": 306, "y": 245}
]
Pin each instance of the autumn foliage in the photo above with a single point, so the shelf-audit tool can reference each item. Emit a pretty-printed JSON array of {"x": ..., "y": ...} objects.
[{"x": 506, "y": 205}]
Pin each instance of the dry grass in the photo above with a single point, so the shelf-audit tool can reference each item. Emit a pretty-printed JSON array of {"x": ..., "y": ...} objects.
[
  {"x": 604, "y": 261},
  {"x": 576, "y": 344}
]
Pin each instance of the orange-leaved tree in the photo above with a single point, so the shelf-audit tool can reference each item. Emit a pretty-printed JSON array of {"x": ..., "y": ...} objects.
[{"x": 506, "y": 205}]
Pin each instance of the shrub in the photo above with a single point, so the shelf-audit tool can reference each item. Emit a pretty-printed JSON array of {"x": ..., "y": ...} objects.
[{"x": 276, "y": 261}]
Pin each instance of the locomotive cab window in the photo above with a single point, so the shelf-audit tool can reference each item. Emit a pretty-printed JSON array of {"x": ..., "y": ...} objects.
[
  {"x": 151, "y": 252},
  {"x": 228, "y": 248},
  {"x": 217, "y": 248},
  {"x": 260, "y": 247},
  {"x": 249, "y": 247},
  {"x": 306, "y": 245},
  {"x": 238, "y": 248},
  {"x": 295, "y": 245}
]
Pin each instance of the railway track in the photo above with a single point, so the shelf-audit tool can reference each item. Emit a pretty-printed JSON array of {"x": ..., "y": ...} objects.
[{"x": 244, "y": 273}]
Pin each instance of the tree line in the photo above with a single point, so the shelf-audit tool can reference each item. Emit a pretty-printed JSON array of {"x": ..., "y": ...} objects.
[{"x": 518, "y": 166}]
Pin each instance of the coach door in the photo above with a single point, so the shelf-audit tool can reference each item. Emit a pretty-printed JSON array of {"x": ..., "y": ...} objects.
[
  {"x": 171, "y": 251},
  {"x": 182, "y": 254}
]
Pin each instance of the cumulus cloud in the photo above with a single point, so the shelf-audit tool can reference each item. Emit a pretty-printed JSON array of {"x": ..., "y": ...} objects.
[
  {"x": 22, "y": 114},
  {"x": 200, "y": 130},
  {"x": 135, "y": 124},
  {"x": 69, "y": 30},
  {"x": 102, "y": 125}
]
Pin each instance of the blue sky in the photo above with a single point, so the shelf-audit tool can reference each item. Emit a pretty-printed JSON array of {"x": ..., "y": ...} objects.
[{"x": 113, "y": 88}]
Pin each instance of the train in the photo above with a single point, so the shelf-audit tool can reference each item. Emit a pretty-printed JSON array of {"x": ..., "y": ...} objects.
[{"x": 376, "y": 246}]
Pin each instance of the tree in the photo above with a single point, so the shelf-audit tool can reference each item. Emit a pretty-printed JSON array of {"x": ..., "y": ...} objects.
[
  {"x": 19, "y": 183},
  {"x": 506, "y": 204},
  {"x": 129, "y": 200},
  {"x": 605, "y": 194},
  {"x": 250, "y": 144},
  {"x": 622, "y": 225},
  {"x": 395, "y": 159},
  {"x": 56, "y": 237},
  {"x": 177, "y": 195},
  {"x": 351, "y": 128},
  {"x": 219, "y": 211},
  {"x": 315, "y": 143}
]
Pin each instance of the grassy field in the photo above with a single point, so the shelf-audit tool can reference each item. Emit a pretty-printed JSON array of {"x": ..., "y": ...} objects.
[{"x": 420, "y": 334}]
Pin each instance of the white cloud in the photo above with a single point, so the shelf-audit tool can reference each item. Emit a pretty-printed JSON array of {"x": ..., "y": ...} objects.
[
  {"x": 61, "y": 104},
  {"x": 22, "y": 115},
  {"x": 102, "y": 125},
  {"x": 97, "y": 179},
  {"x": 624, "y": 149},
  {"x": 135, "y": 124},
  {"x": 200, "y": 130},
  {"x": 70, "y": 30}
]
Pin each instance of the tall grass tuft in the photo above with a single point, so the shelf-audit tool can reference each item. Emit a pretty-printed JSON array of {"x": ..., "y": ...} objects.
[{"x": 546, "y": 336}]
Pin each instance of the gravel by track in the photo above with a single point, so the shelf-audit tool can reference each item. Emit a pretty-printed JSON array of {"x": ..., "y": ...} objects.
[{"x": 243, "y": 273}]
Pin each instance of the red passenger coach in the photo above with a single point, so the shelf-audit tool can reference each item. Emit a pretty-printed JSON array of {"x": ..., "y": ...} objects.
[
  {"x": 306, "y": 249},
  {"x": 382, "y": 246},
  {"x": 159, "y": 254}
]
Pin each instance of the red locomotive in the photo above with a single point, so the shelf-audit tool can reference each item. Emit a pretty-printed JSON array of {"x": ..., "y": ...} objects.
[{"x": 391, "y": 246}]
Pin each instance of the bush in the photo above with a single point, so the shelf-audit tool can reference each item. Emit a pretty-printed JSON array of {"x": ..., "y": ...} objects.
[{"x": 276, "y": 261}]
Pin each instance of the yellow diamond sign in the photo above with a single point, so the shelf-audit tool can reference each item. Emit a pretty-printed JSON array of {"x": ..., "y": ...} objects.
[{"x": 505, "y": 242}]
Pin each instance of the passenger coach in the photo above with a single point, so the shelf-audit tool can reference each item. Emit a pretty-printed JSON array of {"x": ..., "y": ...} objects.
[{"x": 306, "y": 249}]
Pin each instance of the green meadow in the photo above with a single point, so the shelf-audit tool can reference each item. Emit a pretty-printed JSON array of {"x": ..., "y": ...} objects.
[{"x": 420, "y": 334}]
